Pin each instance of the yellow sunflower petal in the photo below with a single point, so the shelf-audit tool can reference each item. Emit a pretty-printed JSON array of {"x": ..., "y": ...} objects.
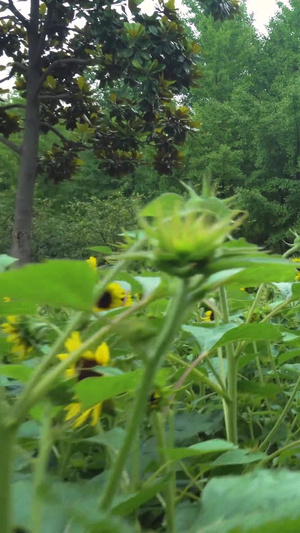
[
  {"x": 73, "y": 410},
  {"x": 63, "y": 356},
  {"x": 96, "y": 412},
  {"x": 102, "y": 354},
  {"x": 71, "y": 372},
  {"x": 13, "y": 319},
  {"x": 13, "y": 338},
  {"x": 8, "y": 328},
  {"x": 88, "y": 354},
  {"x": 82, "y": 418},
  {"x": 73, "y": 342}
]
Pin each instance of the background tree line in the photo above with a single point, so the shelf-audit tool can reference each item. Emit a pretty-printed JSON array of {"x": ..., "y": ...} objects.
[{"x": 248, "y": 104}]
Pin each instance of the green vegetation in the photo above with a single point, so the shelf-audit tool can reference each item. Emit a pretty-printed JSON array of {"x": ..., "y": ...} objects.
[
  {"x": 149, "y": 368},
  {"x": 153, "y": 400}
]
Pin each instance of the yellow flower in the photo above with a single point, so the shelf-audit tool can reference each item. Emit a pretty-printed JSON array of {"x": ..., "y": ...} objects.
[
  {"x": 20, "y": 345},
  {"x": 114, "y": 296},
  {"x": 208, "y": 316},
  {"x": 7, "y": 299},
  {"x": 297, "y": 277},
  {"x": 92, "y": 262},
  {"x": 74, "y": 410},
  {"x": 88, "y": 358},
  {"x": 296, "y": 260},
  {"x": 243, "y": 289}
]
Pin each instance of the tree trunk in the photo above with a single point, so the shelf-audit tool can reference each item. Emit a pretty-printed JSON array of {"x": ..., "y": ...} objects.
[{"x": 27, "y": 176}]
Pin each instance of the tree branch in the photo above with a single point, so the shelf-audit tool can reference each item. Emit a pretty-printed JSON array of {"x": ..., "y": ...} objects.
[
  {"x": 49, "y": 96},
  {"x": 17, "y": 13},
  {"x": 11, "y": 106},
  {"x": 11, "y": 145},
  {"x": 78, "y": 145},
  {"x": 56, "y": 131},
  {"x": 47, "y": 25},
  {"x": 61, "y": 63}
]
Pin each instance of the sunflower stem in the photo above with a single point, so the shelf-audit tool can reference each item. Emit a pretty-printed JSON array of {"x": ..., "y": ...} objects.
[
  {"x": 41, "y": 468},
  {"x": 7, "y": 441},
  {"x": 172, "y": 323},
  {"x": 169, "y": 493},
  {"x": 230, "y": 407}
]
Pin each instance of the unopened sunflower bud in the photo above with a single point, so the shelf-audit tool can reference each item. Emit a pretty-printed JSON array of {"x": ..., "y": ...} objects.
[{"x": 186, "y": 241}]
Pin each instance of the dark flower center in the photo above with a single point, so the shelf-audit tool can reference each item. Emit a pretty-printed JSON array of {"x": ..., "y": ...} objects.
[
  {"x": 105, "y": 300},
  {"x": 86, "y": 369}
]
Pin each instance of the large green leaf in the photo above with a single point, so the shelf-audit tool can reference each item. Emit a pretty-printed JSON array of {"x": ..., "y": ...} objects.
[
  {"x": 254, "y": 502},
  {"x": 202, "y": 448},
  {"x": 207, "y": 336},
  {"x": 238, "y": 457},
  {"x": 263, "y": 270},
  {"x": 213, "y": 337},
  {"x": 19, "y": 372},
  {"x": 56, "y": 283},
  {"x": 65, "y": 507},
  {"x": 91, "y": 391}
]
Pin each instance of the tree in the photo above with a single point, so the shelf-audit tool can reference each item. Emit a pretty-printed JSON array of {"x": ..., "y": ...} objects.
[
  {"x": 49, "y": 56},
  {"x": 225, "y": 104}
]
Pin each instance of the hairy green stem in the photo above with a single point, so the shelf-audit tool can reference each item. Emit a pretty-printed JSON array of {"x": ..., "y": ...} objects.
[
  {"x": 255, "y": 303},
  {"x": 277, "y": 379},
  {"x": 169, "y": 493},
  {"x": 264, "y": 445},
  {"x": 172, "y": 322},
  {"x": 7, "y": 441},
  {"x": 211, "y": 384},
  {"x": 278, "y": 452},
  {"x": 230, "y": 411},
  {"x": 41, "y": 468}
]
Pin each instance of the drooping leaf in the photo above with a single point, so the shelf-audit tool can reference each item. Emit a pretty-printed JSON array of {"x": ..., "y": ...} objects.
[
  {"x": 56, "y": 283},
  {"x": 202, "y": 448},
  {"x": 19, "y": 372}
]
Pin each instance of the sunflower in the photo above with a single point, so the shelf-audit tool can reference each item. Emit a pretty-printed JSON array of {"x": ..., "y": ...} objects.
[
  {"x": 7, "y": 299},
  {"x": 92, "y": 262},
  {"x": 14, "y": 328},
  {"x": 83, "y": 369},
  {"x": 113, "y": 297},
  {"x": 297, "y": 260},
  {"x": 208, "y": 316}
]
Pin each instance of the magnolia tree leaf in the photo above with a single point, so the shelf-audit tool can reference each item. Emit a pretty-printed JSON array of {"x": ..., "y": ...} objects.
[
  {"x": 57, "y": 283},
  {"x": 250, "y": 503}
]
